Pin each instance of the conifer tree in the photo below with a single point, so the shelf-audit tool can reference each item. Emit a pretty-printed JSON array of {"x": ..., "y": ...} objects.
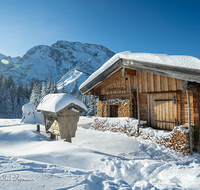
[
  {"x": 1, "y": 78},
  {"x": 20, "y": 94},
  {"x": 10, "y": 82},
  {"x": 64, "y": 89},
  {"x": 3, "y": 87},
  {"x": 75, "y": 88},
  {"x": 55, "y": 87},
  {"x": 26, "y": 91},
  {"x": 35, "y": 95},
  {"x": 43, "y": 90},
  {"x": 8, "y": 111},
  {"x": 49, "y": 86},
  {"x": 31, "y": 87},
  {"x": 17, "y": 110}
]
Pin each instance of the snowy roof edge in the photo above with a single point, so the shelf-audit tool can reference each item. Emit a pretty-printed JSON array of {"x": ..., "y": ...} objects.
[
  {"x": 56, "y": 102},
  {"x": 176, "y": 70}
]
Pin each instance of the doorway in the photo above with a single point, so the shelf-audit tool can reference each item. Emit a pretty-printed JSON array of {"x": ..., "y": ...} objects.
[{"x": 114, "y": 110}]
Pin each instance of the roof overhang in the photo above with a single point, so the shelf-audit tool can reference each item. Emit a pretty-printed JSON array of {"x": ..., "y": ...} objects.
[{"x": 187, "y": 74}]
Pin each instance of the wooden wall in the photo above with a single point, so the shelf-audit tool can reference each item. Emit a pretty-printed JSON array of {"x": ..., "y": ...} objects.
[
  {"x": 124, "y": 87},
  {"x": 117, "y": 85}
]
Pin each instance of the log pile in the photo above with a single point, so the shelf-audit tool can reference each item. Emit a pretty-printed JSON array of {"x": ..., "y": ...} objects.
[
  {"x": 177, "y": 139},
  {"x": 128, "y": 126},
  {"x": 123, "y": 107}
]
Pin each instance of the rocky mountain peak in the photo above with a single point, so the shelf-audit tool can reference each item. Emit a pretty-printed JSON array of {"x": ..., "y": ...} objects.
[{"x": 42, "y": 61}]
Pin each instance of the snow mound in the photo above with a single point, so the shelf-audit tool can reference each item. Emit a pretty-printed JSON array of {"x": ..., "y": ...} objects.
[
  {"x": 56, "y": 102},
  {"x": 173, "y": 60},
  {"x": 30, "y": 115}
]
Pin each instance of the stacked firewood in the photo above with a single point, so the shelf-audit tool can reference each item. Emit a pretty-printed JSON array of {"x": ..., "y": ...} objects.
[
  {"x": 177, "y": 140},
  {"x": 123, "y": 107},
  {"x": 101, "y": 124},
  {"x": 102, "y": 109}
]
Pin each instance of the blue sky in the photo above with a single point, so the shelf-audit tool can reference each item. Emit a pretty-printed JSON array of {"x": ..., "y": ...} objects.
[{"x": 152, "y": 26}]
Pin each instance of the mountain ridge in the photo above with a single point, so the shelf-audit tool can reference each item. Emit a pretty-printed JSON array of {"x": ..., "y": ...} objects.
[{"x": 42, "y": 61}]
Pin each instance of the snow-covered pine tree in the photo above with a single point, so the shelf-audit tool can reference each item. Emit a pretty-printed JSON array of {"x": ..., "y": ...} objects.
[
  {"x": 26, "y": 91},
  {"x": 84, "y": 99},
  {"x": 2, "y": 92},
  {"x": 49, "y": 87},
  {"x": 20, "y": 94},
  {"x": 8, "y": 111},
  {"x": 31, "y": 87},
  {"x": 75, "y": 88},
  {"x": 78, "y": 94},
  {"x": 35, "y": 95},
  {"x": 90, "y": 105},
  {"x": 10, "y": 81},
  {"x": 3, "y": 87},
  {"x": 1, "y": 78},
  {"x": 64, "y": 89},
  {"x": 55, "y": 87},
  {"x": 16, "y": 109},
  {"x": 43, "y": 90}
]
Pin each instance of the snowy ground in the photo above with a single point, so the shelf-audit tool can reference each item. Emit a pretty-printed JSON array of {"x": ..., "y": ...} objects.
[{"x": 94, "y": 160}]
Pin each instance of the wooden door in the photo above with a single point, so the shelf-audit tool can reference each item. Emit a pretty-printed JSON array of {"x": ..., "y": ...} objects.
[
  {"x": 163, "y": 110},
  {"x": 113, "y": 111}
]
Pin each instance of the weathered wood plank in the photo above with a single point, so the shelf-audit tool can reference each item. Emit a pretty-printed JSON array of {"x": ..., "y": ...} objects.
[
  {"x": 163, "y": 111},
  {"x": 158, "y": 85},
  {"x": 173, "y": 84},
  {"x": 179, "y": 106},
  {"x": 148, "y": 107},
  {"x": 139, "y": 80}
]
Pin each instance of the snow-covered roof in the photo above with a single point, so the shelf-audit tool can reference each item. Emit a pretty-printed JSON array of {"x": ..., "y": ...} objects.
[
  {"x": 56, "y": 102},
  {"x": 164, "y": 59}
]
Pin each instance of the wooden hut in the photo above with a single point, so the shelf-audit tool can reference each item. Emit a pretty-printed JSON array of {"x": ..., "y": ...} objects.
[
  {"x": 161, "y": 89},
  {"x": 61, "y": 114}
]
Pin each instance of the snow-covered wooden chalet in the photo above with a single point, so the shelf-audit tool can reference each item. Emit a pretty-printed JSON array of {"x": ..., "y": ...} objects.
[
  {"x": 61, "y": 114},
  {"x": 156, "y": 85}
]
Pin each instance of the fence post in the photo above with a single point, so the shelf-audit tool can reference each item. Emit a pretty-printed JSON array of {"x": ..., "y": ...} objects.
[{"x": 38, "y": 128}]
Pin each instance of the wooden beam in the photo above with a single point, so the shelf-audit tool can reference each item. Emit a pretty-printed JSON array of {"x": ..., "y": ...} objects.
[
  {"x": 148, "y": 107},
  {"x": 94, "y": 105},
  {"x": 138, "y": 105},
  {"x": 164, "y": 70},
  {"x": 130, "y": 97},
  {"x": 189, "y": 121}
]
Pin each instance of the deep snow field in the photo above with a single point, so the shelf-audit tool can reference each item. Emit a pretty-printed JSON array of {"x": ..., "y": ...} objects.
[{"x": 94, "y": 160}]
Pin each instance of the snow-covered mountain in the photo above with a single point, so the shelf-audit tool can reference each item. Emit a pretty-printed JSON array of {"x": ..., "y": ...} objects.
[{"x": 66, "y": 60}]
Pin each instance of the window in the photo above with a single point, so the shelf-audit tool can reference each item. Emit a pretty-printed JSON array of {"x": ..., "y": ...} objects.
[{"x": 113, "y": 111}]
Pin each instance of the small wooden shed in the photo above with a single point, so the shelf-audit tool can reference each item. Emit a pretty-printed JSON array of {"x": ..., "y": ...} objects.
[
  {"x": 161, "y": 89},
  {"x": 61, "y": 114}
]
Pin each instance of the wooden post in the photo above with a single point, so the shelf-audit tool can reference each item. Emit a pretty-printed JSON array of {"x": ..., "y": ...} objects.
[
  {"x": 189, "y": 121},
  {"x": 138, "y": 105},
  {"x": 131, "y": 114},
  {"x": 94, "y": 105},
  {"x": 179, "y": 106},
  {"x": 148, "y": 109},
  {"x": 52, "y": 136},
  {"x": 38, "y": 127}
]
